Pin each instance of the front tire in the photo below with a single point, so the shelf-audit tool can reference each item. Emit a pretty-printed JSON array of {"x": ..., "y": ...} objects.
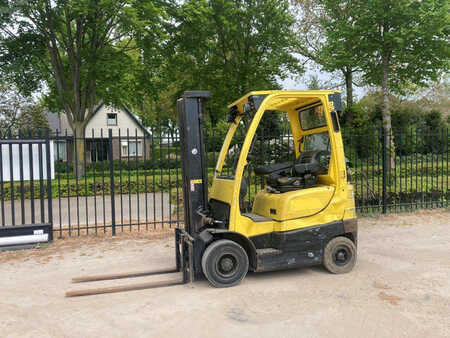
[
  {"x": 224, "y": 263},
  {"x": 339, "y": 255}
]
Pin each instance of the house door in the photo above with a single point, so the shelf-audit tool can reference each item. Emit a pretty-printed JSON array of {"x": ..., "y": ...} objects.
[{"x": 99, "y": 150}]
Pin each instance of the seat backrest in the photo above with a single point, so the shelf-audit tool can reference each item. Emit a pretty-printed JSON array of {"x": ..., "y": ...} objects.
[
  {"x": 307, "y": 163},
  {"x": 306, "y": 157},
  {"x": 273, "y": 168}
]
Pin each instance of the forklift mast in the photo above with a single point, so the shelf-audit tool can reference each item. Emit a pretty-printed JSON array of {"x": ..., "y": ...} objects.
[
  {"x": 188, "y": 246},
  {"x": 191, "y": 116}
]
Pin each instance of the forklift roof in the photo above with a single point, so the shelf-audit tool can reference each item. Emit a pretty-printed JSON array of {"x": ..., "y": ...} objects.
[{"x": 297, "y": 97}]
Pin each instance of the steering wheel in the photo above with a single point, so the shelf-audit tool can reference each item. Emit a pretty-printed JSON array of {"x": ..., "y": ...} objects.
[
  {"x": 244, "y": 184},
  {"x": 250, "y": 156},
  {"x": 323, "y": 157},
  {"x": 318, "y": 157}
]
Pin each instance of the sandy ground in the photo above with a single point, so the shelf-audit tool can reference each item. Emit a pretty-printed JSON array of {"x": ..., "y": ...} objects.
[{"x": 400, "y": 287}]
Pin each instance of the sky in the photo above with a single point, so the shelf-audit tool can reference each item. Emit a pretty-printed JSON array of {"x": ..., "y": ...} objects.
[
  {"x": 323, "y": 77},
  {"x": 326, "y": 79}
]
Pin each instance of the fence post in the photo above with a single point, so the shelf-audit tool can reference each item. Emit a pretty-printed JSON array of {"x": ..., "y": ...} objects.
[
  {"x": 48, "y": 159},
  {"x": 261, "y": 146},
  {"x": 111, "y": 180},
  {"x": 384, "y": 162}
]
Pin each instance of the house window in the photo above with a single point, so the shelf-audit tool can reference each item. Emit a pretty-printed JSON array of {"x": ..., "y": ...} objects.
[
  {"x": 131, "y": 148},
  {"x": 60, "y": 151},
  {"x": 112, "y": 119}
]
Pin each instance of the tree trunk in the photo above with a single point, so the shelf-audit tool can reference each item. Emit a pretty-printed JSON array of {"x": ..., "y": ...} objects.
[
  {"x": 386, "y": 114},
  {"x": 79, "y": 151},
  {"x": 348, "y": 74}
]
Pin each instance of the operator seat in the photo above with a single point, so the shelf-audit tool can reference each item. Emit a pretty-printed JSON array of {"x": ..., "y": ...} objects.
[{"x": 288, "y": 176}]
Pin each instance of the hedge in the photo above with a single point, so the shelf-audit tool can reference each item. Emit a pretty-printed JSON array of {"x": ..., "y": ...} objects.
[
  {"x": 88, "y": 187},
  {"x": 125, "y": 165},
  {"x": 169, "y": 183}
]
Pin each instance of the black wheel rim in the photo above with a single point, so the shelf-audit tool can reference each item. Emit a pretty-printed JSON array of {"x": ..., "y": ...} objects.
[
  {"x": 342, "y": 255},
  {"x": 227, "y": 265}
]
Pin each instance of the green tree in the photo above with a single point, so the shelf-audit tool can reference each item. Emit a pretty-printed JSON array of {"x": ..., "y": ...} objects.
[
  {"x": 232, "y": 47},
  {"x": 312, "y": 32},
  {"x": 435, "y": 133},
  {"x": 19, "y": 113},
  {"x": 396, "y": 43},
  {"x": 314, "y": 83},
  {"x": 160, "y": 112},
  {"x": 437, "y": 96},
  {"x": 82, "y": 51}
]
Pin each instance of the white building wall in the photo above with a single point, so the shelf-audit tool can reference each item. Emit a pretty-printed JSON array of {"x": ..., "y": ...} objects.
[
  {"x": 99, "y": 122},
  {"x": 26, "y": 162},
  {"x": 124, "y": 122},
  {"x": 65, "y": 126}
]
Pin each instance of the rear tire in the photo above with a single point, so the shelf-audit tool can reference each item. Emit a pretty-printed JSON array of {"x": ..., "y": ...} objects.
[
  {"x": 339, "y": 255},
  {"x": 224, "y": 263}
]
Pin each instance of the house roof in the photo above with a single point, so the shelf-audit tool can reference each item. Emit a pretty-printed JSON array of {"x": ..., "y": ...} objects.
[
  {"x": 53, "y": 121},
  {"x": 125, "y": 109}
]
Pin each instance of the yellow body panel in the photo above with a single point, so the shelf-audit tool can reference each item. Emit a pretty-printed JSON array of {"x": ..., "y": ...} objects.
[
  {"x": 222, "y": 190},
  {"x": 294, "y": 204},
  {"x": 331, "y": 201}
]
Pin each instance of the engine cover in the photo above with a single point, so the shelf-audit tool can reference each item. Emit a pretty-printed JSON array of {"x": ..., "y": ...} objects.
[{"x": 292, "y": 204}]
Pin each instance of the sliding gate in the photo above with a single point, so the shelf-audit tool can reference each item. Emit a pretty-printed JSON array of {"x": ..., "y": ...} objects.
[{"x": 26, "y": 172}]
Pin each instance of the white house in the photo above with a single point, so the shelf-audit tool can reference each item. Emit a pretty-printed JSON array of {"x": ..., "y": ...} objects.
[{"x": 130, "y": 137}]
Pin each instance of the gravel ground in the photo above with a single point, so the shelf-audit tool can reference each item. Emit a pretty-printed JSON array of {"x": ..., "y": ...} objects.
[{"x": 400, "y": 287}]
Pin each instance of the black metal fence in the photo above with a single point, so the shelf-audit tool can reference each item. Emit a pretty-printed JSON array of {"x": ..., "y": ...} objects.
[
  {"x": 123, "y": 182},
  {"x": 26, "y": 165},
  {"x": 390, "y": 173},
  {"x": 415, "y": 177},
  {"x": 110, "y": 182}
]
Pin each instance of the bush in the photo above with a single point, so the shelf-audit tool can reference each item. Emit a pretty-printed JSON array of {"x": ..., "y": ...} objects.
[
  {"x": 63, "y": 167},
  {"x": 361, "y": 137}
]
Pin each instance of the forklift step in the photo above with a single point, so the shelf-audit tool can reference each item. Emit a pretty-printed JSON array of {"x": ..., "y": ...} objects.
[
  {"x": 267, "y": 252},
  {"x": 256, "y": 217},
  {"x": 272, "y": 259}
]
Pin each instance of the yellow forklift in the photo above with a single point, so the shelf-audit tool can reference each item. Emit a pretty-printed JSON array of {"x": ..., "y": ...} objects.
[{"x": 304, "y": 216}]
